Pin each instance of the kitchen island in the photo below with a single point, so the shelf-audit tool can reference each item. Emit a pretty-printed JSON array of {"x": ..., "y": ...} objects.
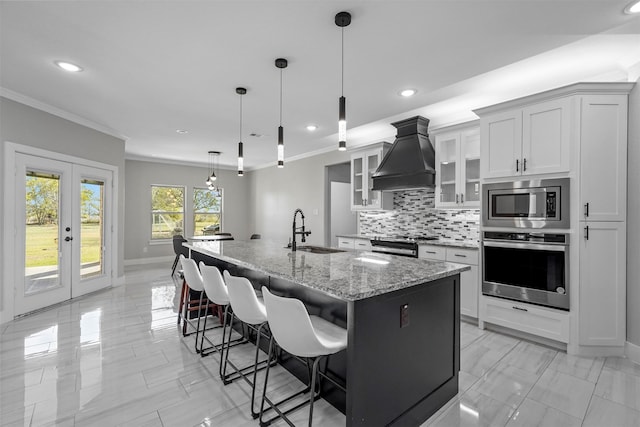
[{"x": 402, "y": 316}]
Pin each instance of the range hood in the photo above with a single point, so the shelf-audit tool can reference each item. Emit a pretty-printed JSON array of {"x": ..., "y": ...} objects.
[{"x": 410, "y": 163}]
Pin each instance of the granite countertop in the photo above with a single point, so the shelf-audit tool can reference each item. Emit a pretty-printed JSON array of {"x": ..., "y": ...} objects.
[
  {"x": 463, "y": 244},
  {"x": 349, "y": 275}
]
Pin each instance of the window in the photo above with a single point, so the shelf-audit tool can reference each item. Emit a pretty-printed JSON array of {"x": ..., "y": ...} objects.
[
  {"x": 207, "y": 211},
  {"x": 167, "y": 211}
]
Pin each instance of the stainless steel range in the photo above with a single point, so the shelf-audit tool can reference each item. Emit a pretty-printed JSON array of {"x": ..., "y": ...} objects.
[{"x": 400, "y": 245}]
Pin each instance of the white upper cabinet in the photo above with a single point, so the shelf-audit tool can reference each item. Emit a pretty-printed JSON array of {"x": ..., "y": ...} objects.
[
  {"x": 458, "y": 168},
  {"x": 363, "y": 165},
  {"x": 501, "y": 147},
  {"x": 529, "y": 140},
  {"x": 603, "y": 157},
  {"x": 546, "y": 133}
]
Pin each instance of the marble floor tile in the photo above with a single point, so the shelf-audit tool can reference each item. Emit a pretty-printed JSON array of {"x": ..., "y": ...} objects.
[
  {"x": 585, "y": 368},
  {"x": 532, "y": 413},
  {"x": 563, "y": 392},
  {"x": 529, "y": 357},
  {"x": 474, "y": 409},
  {"x": 480, "y": 356},
  {"x": 619, "y": 387},
  {"x": 506, "y": 383},
  {"x": 603, "y": 412},
  {"x": 623, "y": 364}
]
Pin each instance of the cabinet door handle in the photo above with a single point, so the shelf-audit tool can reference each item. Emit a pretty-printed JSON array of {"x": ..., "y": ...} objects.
[
  {"x": 460, "y": 256},
  {"x": 586, "y": 233},
  {"x": 461, "y": 197},
  {"x": 586, "y": 209},
  {"x": 517, "y": 165},
  {"x": 519, "y": 308},
  {"x": 457, "y": 198},
  {"x": 524, "y": 165}
]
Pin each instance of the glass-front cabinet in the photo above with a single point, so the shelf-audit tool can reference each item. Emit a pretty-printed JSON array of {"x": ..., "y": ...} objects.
[
  {"x": 363, "y": 165},
  {"x": 458, "y": 166}
]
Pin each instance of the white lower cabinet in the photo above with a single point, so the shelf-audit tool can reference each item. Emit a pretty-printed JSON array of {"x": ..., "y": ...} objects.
[
  {"x": 346, "y": 243},
  {"x": 602, "y": 307},
  {"x": 469, "y": 280},
  {"x": 354, "y": 243},
  {"x": 535, "y": 320}
]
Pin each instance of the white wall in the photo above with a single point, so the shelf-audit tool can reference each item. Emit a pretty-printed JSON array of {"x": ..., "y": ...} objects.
[
  {"x": 276, "y": 193},
  {"x": 141, "y": 175},
  {"x": 633, "y": 218},
  {"x": 25, "y": 125}
]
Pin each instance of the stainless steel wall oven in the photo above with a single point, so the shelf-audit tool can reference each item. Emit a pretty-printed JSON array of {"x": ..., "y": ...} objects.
[{"x": 528, "y": 267}]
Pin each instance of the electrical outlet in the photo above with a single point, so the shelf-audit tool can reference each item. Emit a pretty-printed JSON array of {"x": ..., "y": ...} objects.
[{"x": 404, "y": 315}]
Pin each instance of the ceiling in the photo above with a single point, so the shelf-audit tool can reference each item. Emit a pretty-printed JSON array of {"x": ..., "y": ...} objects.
[{"x": 151, "y": 68}]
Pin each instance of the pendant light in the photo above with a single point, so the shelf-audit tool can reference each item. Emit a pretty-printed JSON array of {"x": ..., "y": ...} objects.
[
  {"x": 240, "y": 91},
  {"x": 213, "y": 157},
  {"x": 343, "y": 19},
  {"x": 212, "y": 175},
  {"x": 281, "y": 63}
]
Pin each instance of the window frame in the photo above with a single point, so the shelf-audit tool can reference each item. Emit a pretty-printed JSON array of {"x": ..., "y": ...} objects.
[
  {"x": 193, "y": 208},
  {"x": 153, "y": 240}
]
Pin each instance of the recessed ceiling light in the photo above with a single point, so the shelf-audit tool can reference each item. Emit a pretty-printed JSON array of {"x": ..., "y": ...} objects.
[
  {"x": 182, "y": 131},
  {"x": 68, "y": 66},
  {"x": 633, "y": 7},
  {"x": 408, "y": 92},
  {"x": 311, "y": 128}
]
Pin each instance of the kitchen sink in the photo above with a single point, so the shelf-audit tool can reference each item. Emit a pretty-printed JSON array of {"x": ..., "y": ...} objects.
[{"x": 319, "y": 250}]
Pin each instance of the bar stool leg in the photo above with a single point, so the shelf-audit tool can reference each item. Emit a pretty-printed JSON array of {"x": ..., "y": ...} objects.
[{"x": 313, "y": 389}]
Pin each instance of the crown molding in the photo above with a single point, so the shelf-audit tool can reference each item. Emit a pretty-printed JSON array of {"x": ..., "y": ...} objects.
[{"x": 39, "y": 105}]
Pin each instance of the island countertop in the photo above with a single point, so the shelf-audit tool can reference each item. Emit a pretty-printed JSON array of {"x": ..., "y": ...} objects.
[{"x": 349, "y": 276}]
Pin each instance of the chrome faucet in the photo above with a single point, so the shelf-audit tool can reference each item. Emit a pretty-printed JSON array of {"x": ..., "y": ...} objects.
[{"x": 295, "y": 229}]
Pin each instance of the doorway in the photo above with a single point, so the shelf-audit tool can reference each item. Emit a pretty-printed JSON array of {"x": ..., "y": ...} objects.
[
  {"x": 63, "y": 230},
  {"x": 340, "y": 219}
]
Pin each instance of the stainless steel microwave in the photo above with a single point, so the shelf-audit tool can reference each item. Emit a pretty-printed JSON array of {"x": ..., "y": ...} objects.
[{"x": 539, "y": 203}]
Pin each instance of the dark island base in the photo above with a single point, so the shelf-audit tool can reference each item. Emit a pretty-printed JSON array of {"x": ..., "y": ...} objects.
[{"x": 394, "y": 374}]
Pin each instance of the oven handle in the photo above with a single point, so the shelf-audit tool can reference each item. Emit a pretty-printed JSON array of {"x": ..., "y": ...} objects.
[{"x": 522, "y": 245}]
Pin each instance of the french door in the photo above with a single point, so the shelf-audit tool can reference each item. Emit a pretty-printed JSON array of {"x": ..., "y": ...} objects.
[{"x": 63, "y": 237}]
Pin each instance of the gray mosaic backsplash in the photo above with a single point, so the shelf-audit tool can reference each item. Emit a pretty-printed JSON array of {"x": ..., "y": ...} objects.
[{"x": 414, "y": 213}]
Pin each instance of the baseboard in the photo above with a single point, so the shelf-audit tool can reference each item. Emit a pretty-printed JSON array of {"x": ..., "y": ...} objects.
[
  {"x": 632, "y": 352},
  {"x": 151, "y": 260}
]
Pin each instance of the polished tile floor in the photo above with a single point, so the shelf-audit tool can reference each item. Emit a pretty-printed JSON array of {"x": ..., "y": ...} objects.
[{"x": 115, "y": 358}]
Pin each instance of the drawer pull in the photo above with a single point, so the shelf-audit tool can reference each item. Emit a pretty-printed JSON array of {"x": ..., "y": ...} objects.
[
  {"x": 430, "y": 252},
  {"x": 459, "y": 255},
  {"x": 519, "y": 308}
]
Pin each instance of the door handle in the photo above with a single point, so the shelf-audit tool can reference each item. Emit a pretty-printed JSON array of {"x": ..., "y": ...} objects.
[
  {"x": 457, "y": 198},
  {"x": 517, "y": 165},
  {"x": 586, "y": 209},
  {"x": 68, "y": 239},
  {"x": 524, "y": 165},
  {"x": 586, "y": 233},
  {"x": 461, "y": 197}
]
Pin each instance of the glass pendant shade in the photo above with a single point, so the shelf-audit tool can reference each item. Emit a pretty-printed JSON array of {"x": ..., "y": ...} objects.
[
  {"x": 342, "y": 124},
  {"x": 280, "y": 147},
  {"x": 240, "y": 160}
]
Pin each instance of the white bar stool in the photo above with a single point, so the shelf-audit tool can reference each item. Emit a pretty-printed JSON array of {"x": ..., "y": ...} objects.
[
  {"x": 251, "y": 312},
  {"x": 301, "y": 335},
  {"x": 194, "y": 282}
]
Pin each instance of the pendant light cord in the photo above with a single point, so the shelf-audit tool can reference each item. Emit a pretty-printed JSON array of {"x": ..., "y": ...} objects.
[
  {"x": 241, "y": 117},
  {"x": 280, "y": 96},
  {"x": 342, "y": 62}
]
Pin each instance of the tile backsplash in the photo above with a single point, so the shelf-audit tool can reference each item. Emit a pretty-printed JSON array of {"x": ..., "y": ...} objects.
[{"x": 414, "y": 213}]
